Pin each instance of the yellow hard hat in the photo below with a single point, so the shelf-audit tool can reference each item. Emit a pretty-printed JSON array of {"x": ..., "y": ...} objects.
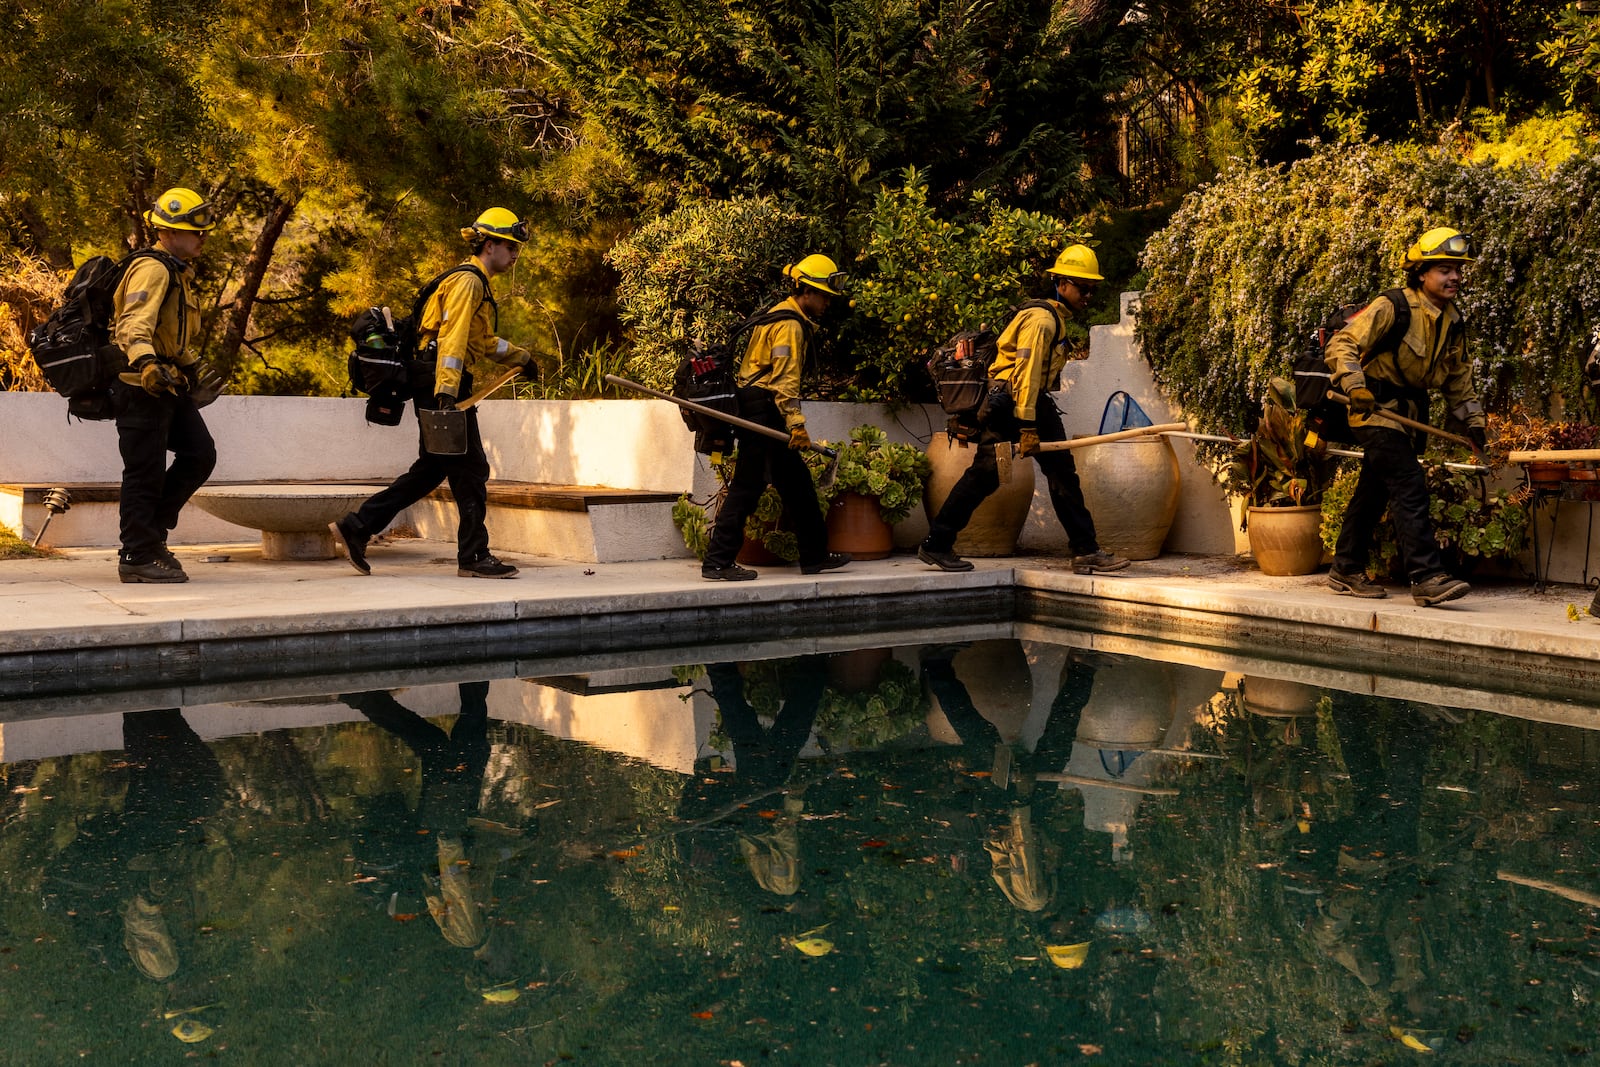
[
  {"x": 819, "y": 272},
  {"x": 181, "y": 209},
  {"x": 1077, "y": 261},
  {"x": 499, "y": 223},
  {"x": 1441, "y": 245}
]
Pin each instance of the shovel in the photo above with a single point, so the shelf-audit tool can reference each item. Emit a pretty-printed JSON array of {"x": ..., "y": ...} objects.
[
  {"x": 501, "y": 379},
  {"x": 824, "y": 481}
]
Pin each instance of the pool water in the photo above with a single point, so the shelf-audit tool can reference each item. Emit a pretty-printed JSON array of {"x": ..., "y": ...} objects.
[{"x": 1000, "y": 851}]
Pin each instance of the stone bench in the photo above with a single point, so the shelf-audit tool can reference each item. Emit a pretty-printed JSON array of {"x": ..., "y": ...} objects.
[{"x": 589, "y": 523}]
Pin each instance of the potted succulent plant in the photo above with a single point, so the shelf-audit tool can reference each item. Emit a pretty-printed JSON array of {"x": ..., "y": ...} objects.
[
  {"x": 1282, "y": 481},
  {"x": 875, "y": 484}
]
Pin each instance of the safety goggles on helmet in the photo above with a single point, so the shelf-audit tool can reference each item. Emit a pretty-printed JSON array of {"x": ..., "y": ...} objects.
[
  {"x": 1459, "y": 245},
  {"x": 517, "y": 231},
  {"x": 201, "y": 217},
  {"x": 834, "y": 280}
]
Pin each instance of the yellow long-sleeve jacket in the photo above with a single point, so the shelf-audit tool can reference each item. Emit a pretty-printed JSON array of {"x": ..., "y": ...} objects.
[
  {"x": 462, "y": 317},
  {"x": 1032, "y": 350},
  {"x": 146, "y": 322},
  {"x": 772, "y": 360},
  {"x": 1430, "y": 356}
]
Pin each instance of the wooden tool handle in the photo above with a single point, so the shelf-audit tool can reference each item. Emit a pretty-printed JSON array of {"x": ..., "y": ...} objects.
[{"x": 1120, "y": 435}]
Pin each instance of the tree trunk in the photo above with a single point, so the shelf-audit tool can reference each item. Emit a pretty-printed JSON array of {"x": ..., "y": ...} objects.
[{"x": 250, "y": 278}]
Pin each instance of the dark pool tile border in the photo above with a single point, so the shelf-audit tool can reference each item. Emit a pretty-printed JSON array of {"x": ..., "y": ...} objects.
[{"x": 241, "y": 658}]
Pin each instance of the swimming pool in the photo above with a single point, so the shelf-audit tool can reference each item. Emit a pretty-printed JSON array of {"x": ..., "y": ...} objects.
[{"x": 1013, "y": 843}]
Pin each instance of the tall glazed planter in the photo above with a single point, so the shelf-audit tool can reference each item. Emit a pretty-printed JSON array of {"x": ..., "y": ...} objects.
[
  {"x": 997, "y": 523},
  {"x": 1286, "y": 541},
  {"x": 1131, "y": 488}
]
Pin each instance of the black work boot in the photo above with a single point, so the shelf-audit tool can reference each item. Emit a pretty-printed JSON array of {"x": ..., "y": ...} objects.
[
  {"x": 731, "y": 573},
  {"x": 353, "y": 543},
  {"x": 169, "y": 559},
  {"x": 486, "y": 567},
  {"x": 155, "y": 572},
  {"x": 944, "y": 560},
  {"x": 1438, "y": 588},
  {"x": 1355, "y": 585},
  {"x": 832, "y": 561}
]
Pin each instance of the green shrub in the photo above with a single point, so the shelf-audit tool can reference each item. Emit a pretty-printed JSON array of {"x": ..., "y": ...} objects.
[
  {"x": 694, "y": 273},
  {"x": 1250, "y": 264},
  {"x": 921, "y": 277}
]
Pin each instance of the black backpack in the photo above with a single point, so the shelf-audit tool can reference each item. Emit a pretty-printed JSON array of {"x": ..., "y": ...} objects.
[
  {"x": 73, "y": 346},
  {"x": 1326, "y": 418},
  {"x": 960, "y": 369},
  {"x": 706, "y": 376},
  {"x": 384, "y": 363}
]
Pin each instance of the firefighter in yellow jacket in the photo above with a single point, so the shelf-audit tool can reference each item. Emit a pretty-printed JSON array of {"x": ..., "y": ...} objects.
[
  {"x": 1032, "y": 353},
  {"x": 769, "y": 393},
  {"x": 458, "y": 328},
  {"x": 1431, "y": 355},
  {"x": 157, "y": 400}
]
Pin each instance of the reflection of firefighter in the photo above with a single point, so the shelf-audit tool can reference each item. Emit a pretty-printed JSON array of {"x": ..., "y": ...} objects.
[
  {"x": 457, "y": 873},
  {"x": 155, "y": 866},
  {"x": 1361, "y": 869},
  {"x": 763, "y": 763},
  {"x": 1018, "y": 855}
]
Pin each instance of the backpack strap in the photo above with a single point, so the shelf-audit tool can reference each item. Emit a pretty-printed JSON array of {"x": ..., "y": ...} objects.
[
  {"x": 426, "y": 293},
  {"x": 175, "y": 268},
  {"x": 756, "y": 321}
]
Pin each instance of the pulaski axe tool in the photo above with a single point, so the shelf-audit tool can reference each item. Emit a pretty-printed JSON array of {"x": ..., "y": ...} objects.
[{"x": 828, "y": 476}]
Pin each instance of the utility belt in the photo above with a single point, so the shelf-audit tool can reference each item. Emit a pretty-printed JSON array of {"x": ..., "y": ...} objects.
[
  {"x": 423, "y": 374},
  {"x": 760, "y": 405}
]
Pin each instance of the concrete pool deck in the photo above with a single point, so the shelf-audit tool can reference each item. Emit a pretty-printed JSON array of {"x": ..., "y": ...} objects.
[{"x": 243, "y": 616}]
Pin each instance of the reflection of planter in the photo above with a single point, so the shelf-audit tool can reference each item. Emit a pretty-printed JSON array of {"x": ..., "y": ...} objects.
[
  {"x": 856, "y": 671},
  {"x": 1130, "y": 706},
  {"x": 997, "y": 523},
  {"x": 856, "y": 527},
  {"x": 1131, "y": 489},
  {"x": 999, "y": 682},
  {"x": 1278, "y": 697},
  {"x": 1286, "y": 540}
]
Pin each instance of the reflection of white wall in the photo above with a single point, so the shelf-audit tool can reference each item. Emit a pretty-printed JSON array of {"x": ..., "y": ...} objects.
[{"x": 654, "y": 725}]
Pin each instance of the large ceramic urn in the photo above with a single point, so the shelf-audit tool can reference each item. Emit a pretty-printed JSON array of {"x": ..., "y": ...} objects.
[
  {"x": 1131, "y": 488},
  {"x": 1286, "y": 541},
  {"x": 998, "y": 521}
]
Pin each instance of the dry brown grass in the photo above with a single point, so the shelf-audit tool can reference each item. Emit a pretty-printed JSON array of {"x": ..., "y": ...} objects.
[{"x": 28, "y": 290}]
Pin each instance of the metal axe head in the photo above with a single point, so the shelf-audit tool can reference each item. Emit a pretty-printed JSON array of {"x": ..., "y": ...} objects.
[{"x": 830, "y": 474}]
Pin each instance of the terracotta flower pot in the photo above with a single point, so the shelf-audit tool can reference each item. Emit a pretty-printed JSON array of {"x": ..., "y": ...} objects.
[
  {"x": 856, "y": 527},
  {"x": 1286, "y": 540},
  {"x": 998, "y": 522}
]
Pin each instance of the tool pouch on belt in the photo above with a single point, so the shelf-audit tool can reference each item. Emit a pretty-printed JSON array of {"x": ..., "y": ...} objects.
[{"x": 444, "y": 431}]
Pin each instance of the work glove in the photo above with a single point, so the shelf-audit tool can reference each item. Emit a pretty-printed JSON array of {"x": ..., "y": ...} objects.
[
  {"x": 798, "y": 438},
  {"x": 1362, "y": 402},
  {"x": 532, "y": 371},
  {"x": 208, "y": 385},
  {"x": 444, "y": 401},
  {"x": 1028, "y": 441},
  {"x": 1479, "y": 439},
  {"x": 158, "y": 378}
]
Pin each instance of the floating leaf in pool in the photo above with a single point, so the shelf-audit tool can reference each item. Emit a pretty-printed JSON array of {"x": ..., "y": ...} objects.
[
  {"x": 814, "y": 946},
  {"x": 190, "y": 1031},
  {"x": 501, "y": 994},
  {"x": 1069, "y": 957},
  {"x": 1418, "y": 1040}
]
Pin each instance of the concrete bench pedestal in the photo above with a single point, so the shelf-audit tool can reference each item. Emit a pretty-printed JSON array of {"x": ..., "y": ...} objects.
[{"x": 293, "y": 518}]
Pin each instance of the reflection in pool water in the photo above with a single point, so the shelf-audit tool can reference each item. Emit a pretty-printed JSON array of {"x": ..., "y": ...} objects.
[{"x": 1000, "y": 851}]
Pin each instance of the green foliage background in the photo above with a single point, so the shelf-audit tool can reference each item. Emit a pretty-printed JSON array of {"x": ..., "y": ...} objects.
[{"x": 1251, "y": 263}]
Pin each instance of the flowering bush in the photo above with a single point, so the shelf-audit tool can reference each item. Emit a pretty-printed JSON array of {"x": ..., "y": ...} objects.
[{"x": 1252, "y": 263}]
